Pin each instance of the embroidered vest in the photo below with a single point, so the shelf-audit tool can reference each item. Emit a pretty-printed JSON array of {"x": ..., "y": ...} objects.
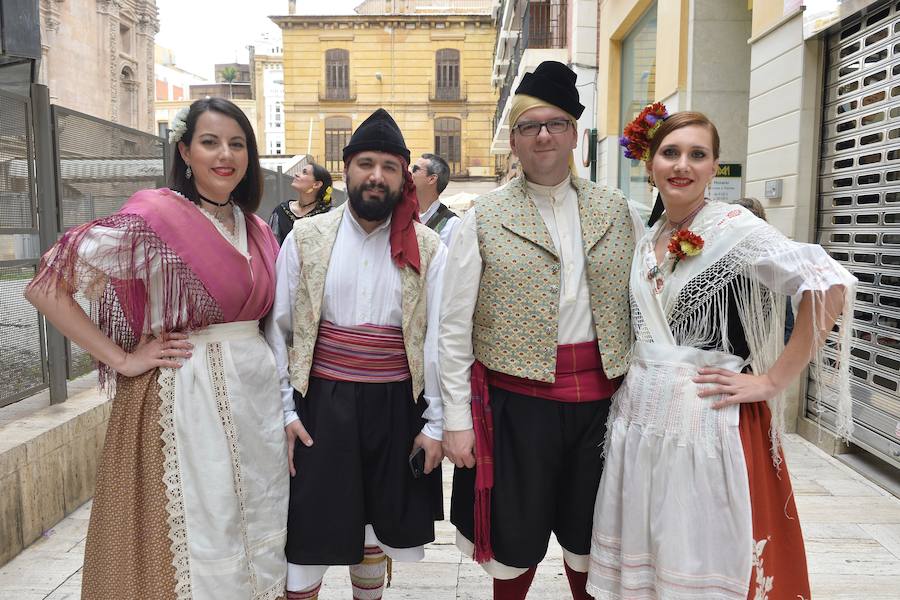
[
  {"x": 517, "y": 312},
  {"x": 314, "y": 238}
]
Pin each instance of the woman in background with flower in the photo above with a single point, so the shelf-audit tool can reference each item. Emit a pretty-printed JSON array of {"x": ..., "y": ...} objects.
[
  {"x": 313, "y": 185},
  {"x": 695, "y": 500},
  {"x": 192, "y": 487}
]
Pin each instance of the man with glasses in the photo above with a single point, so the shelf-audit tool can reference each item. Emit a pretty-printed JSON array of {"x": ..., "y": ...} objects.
[
  {"x": 431, "y": 174},
  {"x": 535, "y": 335}
]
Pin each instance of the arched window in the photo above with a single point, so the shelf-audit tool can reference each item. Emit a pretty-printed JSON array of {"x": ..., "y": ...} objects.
[
  {"x": 337, "y": 134},
  {"x": 448, "y": 141},
  {"x": 337, "y": 74},
  {"x": 127, "y": 98},
  {"x": 446, "y": 74}
]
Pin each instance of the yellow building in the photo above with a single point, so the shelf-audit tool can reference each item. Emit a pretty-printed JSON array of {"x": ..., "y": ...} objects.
[{"x": 432, "y": 72}]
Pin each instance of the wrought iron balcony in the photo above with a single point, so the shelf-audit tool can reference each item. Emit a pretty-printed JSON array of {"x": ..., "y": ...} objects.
[
  {"x": 543, "y": 25},
  {"x": 440, "y": 92},
  {"x": 331, "y": 93}
]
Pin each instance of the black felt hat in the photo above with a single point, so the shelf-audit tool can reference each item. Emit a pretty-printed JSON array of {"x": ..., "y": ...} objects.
[
  {"x": 553, "y": 82},
  {"x": 379, "y": 133}
]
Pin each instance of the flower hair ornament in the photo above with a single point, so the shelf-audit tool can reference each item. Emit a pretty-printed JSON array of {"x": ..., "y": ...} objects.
[
  {"x": 179, "y": 126},
  {"x": 637, "y": 134}
]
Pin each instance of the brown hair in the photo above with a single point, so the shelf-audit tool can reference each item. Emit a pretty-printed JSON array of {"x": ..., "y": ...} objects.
[
  {"x": 754, "y": 206},
  {"x": 684, "y": 119}
]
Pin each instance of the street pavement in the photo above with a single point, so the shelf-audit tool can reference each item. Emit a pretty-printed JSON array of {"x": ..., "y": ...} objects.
[{"x": 851, "y": 527}]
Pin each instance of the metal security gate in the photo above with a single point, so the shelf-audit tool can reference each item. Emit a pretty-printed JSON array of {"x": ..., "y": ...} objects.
[{"x": 859, "y": 212}]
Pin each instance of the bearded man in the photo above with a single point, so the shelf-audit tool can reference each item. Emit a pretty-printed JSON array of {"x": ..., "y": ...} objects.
[{"x": 354, "y": 333}]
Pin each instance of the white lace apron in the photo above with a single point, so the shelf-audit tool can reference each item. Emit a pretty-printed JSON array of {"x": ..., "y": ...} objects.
[
  {"x": 674, "y": 492},
  {"x": 225, "y": 470}
]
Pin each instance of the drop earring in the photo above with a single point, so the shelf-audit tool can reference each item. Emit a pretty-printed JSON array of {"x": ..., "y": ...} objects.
[{"x": 188, "y": 173}]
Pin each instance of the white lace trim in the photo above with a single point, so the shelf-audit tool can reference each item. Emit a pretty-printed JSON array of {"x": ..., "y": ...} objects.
[
  {"x": 223, "y": 406},
  {"x": 174, "y": 490},
  {"x": 238, "y": 238},
  {"x": 274, "y": 592}
]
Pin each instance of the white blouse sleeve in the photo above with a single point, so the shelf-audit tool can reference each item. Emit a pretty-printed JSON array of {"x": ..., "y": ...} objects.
[
  {"x": 279, "y": 324},
  {"x": 461, "y": 280}
]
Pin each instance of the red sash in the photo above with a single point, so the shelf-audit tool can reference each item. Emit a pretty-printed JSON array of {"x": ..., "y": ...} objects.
[{"x": 579, "y": 378}]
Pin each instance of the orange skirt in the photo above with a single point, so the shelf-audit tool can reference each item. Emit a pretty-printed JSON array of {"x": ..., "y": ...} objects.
[{"x": 779, "y": 571}]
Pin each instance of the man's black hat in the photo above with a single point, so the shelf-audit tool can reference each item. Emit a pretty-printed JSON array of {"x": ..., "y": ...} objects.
[
  {"x": 379, "y": 133},
  {"x": 553, "y": 82}
]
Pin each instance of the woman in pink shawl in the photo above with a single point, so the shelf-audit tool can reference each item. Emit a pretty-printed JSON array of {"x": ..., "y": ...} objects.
[{"x": 192, "y": 488}]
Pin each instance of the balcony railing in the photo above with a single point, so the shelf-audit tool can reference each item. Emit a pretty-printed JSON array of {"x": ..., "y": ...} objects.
[
  {"x": 546, "y": 24},
  {"x": 543, "y": 25},
  {"x": 329, "y": 93},
  {"x": 447, "y": 93}
]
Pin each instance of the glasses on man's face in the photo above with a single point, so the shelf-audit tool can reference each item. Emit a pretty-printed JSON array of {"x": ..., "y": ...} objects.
[{"x": 532, "y": 128}]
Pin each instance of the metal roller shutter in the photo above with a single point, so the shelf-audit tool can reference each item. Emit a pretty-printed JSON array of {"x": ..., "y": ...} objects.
[{"x": 859, "y": 212}]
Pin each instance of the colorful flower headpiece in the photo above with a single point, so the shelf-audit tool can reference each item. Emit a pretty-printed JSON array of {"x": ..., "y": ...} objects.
[
  {"x": 637, "y": 135},
  {"x": 179, "y": 126}
]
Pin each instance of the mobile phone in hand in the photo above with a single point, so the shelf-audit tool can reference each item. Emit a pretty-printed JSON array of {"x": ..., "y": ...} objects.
[{"x": 417, "y": 463}]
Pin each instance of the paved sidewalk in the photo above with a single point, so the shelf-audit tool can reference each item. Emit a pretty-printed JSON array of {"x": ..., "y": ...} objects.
[{"x": 852, "y": 531}]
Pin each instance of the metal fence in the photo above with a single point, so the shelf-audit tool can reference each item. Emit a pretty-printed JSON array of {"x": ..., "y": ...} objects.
[
  {"x": 69, "y": 168},
  {"x": 21, "y": 336},
  {"x": 99, "y": 165}
]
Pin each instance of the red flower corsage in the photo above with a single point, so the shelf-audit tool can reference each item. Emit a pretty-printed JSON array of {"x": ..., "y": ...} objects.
[{"x": 684, "y": 243}]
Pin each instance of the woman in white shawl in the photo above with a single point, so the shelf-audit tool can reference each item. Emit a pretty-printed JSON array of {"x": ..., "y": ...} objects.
[{"x": 695, "y": 500}]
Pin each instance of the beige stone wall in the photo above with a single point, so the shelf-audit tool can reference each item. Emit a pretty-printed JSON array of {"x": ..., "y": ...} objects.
[
  {"x": 86, "y": 45},
  {"x": 402, "y": 50},
  {"x": 48, "y": 464}
]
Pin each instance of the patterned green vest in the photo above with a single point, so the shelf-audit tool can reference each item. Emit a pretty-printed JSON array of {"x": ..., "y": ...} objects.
[
  {"x": 314, "y": 238},
  {"x": 517, "y": 312}
]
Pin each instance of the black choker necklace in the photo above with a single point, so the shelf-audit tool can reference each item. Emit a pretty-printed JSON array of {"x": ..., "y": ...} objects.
[{"x": 205, "y": 199}]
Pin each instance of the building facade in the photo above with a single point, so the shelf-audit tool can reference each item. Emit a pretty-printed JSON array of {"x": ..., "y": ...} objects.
[
  {"x": 98, "y": 58},
  {"x": 432, "y": 72},
  {"x": 267, "y": 76},
  {"x": 173, "y": 84}
]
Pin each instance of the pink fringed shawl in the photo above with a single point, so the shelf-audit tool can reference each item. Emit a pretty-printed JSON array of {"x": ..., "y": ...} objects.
[{"x": 205, "y": 280}]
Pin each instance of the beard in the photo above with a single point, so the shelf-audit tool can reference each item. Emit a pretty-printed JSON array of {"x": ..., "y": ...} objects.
[{"x": 373, "y": 209}]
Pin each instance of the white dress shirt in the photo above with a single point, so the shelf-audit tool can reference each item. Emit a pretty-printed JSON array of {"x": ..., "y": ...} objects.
[
  {"x": 558, "y": 207},
  {"x": 362, "y": 286},
  {"x": 447, "y": 232}
]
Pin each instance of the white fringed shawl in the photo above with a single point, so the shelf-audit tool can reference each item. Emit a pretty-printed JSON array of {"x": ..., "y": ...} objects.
[{"x": 747, "y": 261}]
